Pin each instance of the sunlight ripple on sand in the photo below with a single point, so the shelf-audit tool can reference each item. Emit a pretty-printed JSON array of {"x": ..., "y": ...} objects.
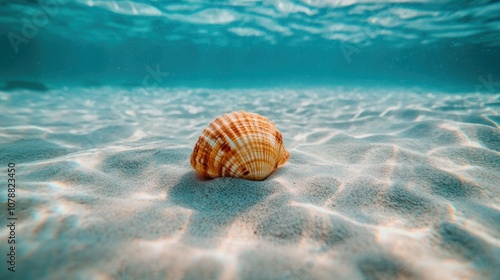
[{"x": 379, "y": 185}]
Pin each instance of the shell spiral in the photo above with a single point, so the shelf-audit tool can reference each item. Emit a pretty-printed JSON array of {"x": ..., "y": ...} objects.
[{"x": 239, "y": 144}]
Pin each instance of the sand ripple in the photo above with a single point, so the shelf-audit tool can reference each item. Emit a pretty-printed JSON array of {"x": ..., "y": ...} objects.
[{"x": 380, "y": 185}]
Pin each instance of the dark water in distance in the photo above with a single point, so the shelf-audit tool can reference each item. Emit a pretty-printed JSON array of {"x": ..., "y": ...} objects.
[{"x": 446, "y": 44}]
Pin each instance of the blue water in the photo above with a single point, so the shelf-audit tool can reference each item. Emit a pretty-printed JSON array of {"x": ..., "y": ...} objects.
[
  {"x": 390, "y": 111},
  {"x": 452, "y": 45}
]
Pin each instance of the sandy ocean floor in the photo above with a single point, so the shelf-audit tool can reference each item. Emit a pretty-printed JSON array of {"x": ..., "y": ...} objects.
[{"x": 381, "y": 184}]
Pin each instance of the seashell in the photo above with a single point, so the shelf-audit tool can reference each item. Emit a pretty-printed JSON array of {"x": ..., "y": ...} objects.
[{"x": 241, "y": 145}]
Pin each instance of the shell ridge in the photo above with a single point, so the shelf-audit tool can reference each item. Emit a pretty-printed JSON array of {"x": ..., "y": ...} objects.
[
  {"x": 214, "y": 156},
  {"x": 230, "y": 156}
]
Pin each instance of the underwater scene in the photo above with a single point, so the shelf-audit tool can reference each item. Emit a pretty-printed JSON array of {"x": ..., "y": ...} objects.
[{"x": 250, "y": 139}]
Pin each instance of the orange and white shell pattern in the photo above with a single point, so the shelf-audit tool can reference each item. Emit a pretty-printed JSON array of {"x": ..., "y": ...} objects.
[{"x": 239, "y": 144}]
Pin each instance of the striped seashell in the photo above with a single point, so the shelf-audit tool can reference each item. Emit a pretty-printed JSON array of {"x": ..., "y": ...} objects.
[{"x": 239, "y": 144}]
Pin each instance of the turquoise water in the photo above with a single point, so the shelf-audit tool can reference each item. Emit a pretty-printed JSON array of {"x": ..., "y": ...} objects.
[
  {"x": 445, "y": 44},
  {"x": 390, "y": 111}
]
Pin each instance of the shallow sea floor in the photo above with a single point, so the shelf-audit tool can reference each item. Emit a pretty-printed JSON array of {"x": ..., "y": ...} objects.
[{"x": 381, "y": 184}]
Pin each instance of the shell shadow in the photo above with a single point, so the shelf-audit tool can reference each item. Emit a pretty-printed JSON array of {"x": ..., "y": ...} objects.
[{"x": 216, "y": 204}]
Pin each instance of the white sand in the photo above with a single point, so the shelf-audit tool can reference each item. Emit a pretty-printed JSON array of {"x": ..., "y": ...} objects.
[{"x": 380, "y": 185}]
